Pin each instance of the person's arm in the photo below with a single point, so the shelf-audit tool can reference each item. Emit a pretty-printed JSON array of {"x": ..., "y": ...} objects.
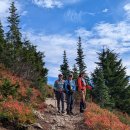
[
  {"x": 66, "y": 88},
  {"x": 89, "y": 87},
  {"x": 74, "y": 86}
]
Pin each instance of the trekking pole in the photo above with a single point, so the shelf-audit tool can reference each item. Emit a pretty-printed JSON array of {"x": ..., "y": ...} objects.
[{"x": 55, "y": 103}]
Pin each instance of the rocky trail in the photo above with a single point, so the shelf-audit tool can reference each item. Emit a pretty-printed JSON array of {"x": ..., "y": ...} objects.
[
  {"x": 50, "y": 119},
  {"x": 63, "y": 121}
]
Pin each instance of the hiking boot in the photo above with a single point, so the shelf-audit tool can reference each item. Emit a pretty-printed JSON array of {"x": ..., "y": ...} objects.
[
  {"x": 68, "y": 112},
  {"x": 71, "y": 113},
  {"x": 81, "y": 111},
  {"x": 58, "y": 111},
  {"x": 63, "y": 111},
  {"x": 84, "y": 106}
]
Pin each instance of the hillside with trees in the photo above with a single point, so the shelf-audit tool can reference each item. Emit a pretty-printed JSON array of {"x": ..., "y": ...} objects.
[{"x": 24, "y": 89}]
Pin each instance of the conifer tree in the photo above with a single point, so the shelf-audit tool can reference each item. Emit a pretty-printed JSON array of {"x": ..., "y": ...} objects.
[
  {"x": 100, "y": 91},
  {"x": 2, "y": 43},
  {"x": 64, "y": 68},
  {"x": 80, "y": 57},
  {"x": 75, "y": 72},
  {"x": 114, "y": 75},
  {"x": 1, "y": 33},
  {"x": 13, "y": 35}
]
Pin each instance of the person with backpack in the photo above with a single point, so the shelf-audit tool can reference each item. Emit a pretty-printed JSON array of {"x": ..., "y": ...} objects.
[
  {"x": 82, "y": 86},
  {"x": 59, "y": 93},
  {"x": 70, "y": 88}
]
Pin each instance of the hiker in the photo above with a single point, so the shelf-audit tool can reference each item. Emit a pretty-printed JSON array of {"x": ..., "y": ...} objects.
[
  {"x": 70, "y": 88},
  {"x": 59, "y": 92},
  {"x": 82, "y": 86}
]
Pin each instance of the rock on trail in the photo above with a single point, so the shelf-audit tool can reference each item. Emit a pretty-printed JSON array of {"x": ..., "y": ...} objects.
[{"x": 63, "y": 121}]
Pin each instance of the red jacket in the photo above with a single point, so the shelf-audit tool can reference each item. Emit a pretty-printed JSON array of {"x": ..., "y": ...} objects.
[{"x": 82, "y": 86}]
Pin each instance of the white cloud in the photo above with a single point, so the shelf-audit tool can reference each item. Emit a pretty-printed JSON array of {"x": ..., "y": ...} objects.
[
  {"x": 4, "y": 7},
  {"x": 53, "y": 3},
  {"x": 4, "y": 10},
  {"x": 83, "y": 32},
  {"x": 24, "y": 13},
  {"x": 53, "y": 46},
  {"x": 74, "y": 16},
  {"x": 48, "y": 3},
  {"x": 127, "y": 9},
  {"x": 105, "y": 10},
  {"x": 115, "y": 36}
]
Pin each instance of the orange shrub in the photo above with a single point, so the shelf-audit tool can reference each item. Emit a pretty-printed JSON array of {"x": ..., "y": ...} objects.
[
  {"x": 16, "y": 111},
  {"x": 101, "y": 119}
]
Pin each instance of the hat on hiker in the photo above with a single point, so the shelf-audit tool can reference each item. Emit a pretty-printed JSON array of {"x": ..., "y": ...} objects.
[
  {"x": 60, "y": 75},
  {"x": 70, "y": 75},
  {"x": 82, "y": 73}
]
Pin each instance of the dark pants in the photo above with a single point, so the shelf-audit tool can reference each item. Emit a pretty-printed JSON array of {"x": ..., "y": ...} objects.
[
  {"x": 70, "y": 102},
  {"x": 60, "y": 97},
  {"x": 82, "y": 106}
]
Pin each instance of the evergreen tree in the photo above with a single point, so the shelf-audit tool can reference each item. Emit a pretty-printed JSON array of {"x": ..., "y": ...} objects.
[
  {"x": 80, "y": 57},
  {"x": 21, "y": 57},
  {"x": 75, "y": 72},
  {"x": 13, "y": 35},
  {"x": 125, "y": 102},
  {"x": 32, "y": 65},
  {"x": 114, "y": 75},
  {"x": 64, "y": 68},
  {"x": 100, "y": 91},
  {"x": 13, "y": 38},
  {"x": 2, "y": 43},
  {"x": 2, "y": 40}
]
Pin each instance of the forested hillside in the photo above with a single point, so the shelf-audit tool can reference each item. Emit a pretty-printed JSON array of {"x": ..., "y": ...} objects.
[{"x": 24, "y": 88}]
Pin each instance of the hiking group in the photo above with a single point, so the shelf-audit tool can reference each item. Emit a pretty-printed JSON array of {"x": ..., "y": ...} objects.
[{"x": 67, "y": 89}]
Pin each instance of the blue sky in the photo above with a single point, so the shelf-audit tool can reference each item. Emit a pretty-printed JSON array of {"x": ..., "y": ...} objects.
[{"x": 54, "y": 26}]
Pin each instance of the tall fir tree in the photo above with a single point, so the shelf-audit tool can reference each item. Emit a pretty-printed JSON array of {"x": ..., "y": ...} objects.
[
  {"x": 100, "y": 91},
  {"x": 24, "y": 59},
  {"x": 75, "y": 72},
  {"x": 13, "y": 35},
  {"x": 2, "y": 43},
  {"x": 64, "y": 68},
  {"x": 1, "y": 33},
  {"x": 114, "y": 75},
  {"x": 80, "y": 57},
  {"x": 13, "y": 38}
]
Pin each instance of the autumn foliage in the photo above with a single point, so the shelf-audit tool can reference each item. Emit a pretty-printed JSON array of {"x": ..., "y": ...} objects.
[
  {"x": 18, "y": 98},
  {"x": 16, "y": 111},
  {"x": 102, "y": 119}
]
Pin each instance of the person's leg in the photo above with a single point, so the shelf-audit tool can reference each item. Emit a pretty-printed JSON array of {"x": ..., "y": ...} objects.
[
  {"x": 68, "y": 103},
  {"x": 82, "y": 102},
  {"x": 71, "y": 103},
  {"x": 62, "y": 101},
  {"x": 84, "y": 99},
  {"x": 58, "y": 100}
]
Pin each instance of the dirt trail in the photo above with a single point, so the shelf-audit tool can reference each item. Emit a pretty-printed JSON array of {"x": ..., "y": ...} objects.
[
  {"x": 51, "y": 120},
  {"x": 63, "y": 121}
]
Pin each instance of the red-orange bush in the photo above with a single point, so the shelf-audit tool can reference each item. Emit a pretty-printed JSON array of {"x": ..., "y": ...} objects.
[
  {"x": 13, "y": 107},
  {"x": 101, "y": 119},
  {"x": 16, "y": 111}
]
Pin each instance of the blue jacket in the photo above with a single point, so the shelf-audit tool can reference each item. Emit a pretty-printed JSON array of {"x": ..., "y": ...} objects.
[{"x": 71, "y": 83}]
